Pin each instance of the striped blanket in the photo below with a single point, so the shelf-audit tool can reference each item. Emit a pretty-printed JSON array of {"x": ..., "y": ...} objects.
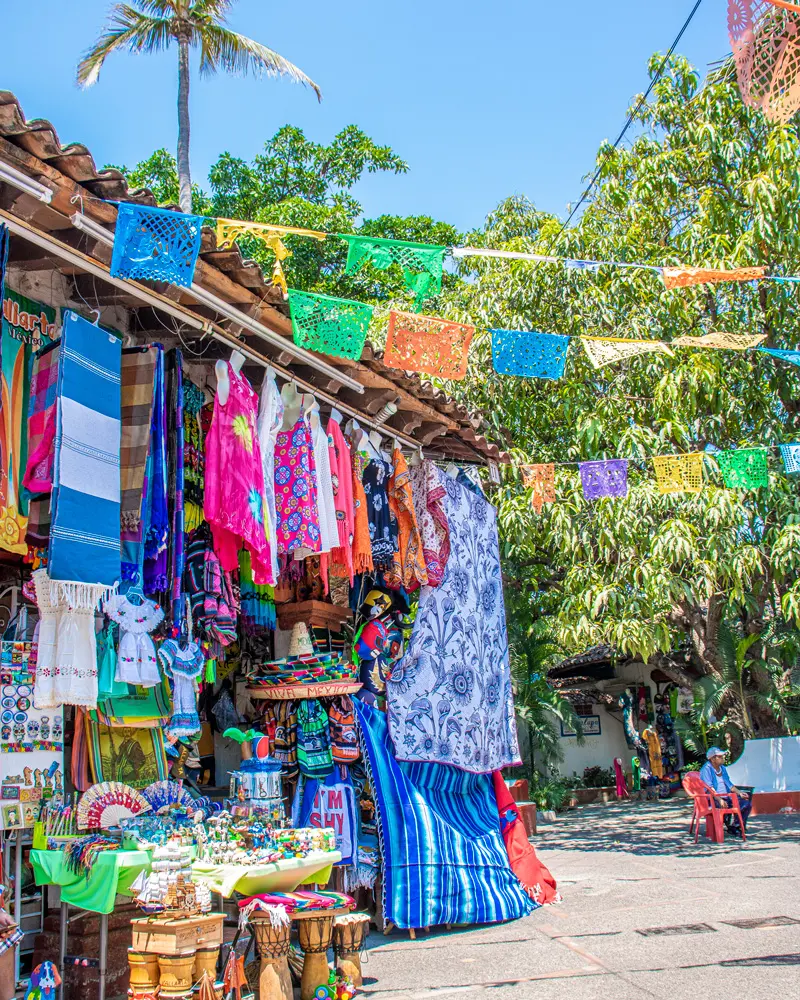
[
  {"x": 84, "y": 536},
  {"x": 444, "y": 860}
]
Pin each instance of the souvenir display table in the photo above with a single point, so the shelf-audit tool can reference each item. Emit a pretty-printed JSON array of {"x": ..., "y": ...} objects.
[
  {"x": 113, "y": 874},
  {"x": 279, "y": 876}
]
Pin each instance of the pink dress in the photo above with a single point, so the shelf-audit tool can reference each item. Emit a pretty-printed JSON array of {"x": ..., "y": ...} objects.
[
  {"x": 234, "y": 501},
  {"x": 296, "y": 491}
]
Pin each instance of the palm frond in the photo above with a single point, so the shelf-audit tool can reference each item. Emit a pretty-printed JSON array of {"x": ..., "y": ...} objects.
[
  {"x": 212, "y": 10},
  {"x": 235, "y": 53},
  {"x": 127, "y": 29}
]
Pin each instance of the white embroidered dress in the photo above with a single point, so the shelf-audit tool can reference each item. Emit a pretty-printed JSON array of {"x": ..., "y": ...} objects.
[{"x": 136, "y": 657}]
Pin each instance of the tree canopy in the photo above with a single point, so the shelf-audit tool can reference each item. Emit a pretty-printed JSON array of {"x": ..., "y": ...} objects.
[{"x": 705, "y": 181}]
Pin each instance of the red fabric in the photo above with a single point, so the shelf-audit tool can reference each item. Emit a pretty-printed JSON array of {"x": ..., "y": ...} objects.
[{"x": 534, "y": 877}]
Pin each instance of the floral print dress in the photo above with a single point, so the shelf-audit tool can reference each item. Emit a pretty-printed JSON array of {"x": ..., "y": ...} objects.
[
  {"x": 234, "y": 502},
  {"x": 296, "y": 491}
]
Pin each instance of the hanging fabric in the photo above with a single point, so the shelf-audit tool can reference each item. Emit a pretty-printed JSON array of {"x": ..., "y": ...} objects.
[
  {"x": 793, "y": 357},
  {"x": 534, "y": 877},
  {"x": 84, "y": 536},
  {"x": 408, "y": 560},
  {"x": 382, "y": 523},
  {"x": 257, "y": 603},
  {"x": 743, "y": 468},
  {"x": 421, "y": 262},
  {"x": 765, "y": 40},
  {"x": 342, "y": 478},
  {"x": 138, "y": 378},
  {"x": 444, "y": 859},
  {"x": 270, "y": 418},
  {"x": 449, "y": 697},
  {"x": 721, "y": 341},
  {"x": 271, "y": 236},
  {"x": 155, "y": 244},
  {"x": 177, "y": 539},
  {"x": 428, "y": 493},
  {"x": 541, "y": 479},
  {"x": 529, "y": 354},
  {"x": 42, "y": 417},
  {"x": 313, "y": 740},
  {"x": 156, "y": 528},
  {"x": 329, "y": 325},
  {"x": 427, "y": 345},
  {"x": 619, "y": 778},
  {"x": 603, "y": 351},
  {"x": 790, "y": 453},
  {"x": 296, "y": 490},
  {"x": 193, "y": 455},
  {"x": 679, "y": 473},
  {"x": 682, "y": 277},
  {"x": 608, "y": 478},
  {"x": 362, "y": 544}
]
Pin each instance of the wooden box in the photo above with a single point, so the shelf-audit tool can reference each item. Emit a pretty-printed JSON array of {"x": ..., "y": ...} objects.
[
  {"x": 180, "y": 936},
  {"x": 319, "y": 614}
]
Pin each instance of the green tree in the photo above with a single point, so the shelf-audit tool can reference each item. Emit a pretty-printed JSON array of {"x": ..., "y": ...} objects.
[
  {"x": 705, "y": 180},
  {"x": 146, "y": 26}
]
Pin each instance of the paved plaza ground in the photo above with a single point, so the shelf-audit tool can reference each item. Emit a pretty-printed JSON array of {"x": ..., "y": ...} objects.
[{"x": 646, "y": 914}]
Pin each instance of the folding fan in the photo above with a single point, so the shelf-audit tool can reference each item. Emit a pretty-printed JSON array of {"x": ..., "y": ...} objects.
[
  {"x": 105, "y": 804},
  {"x": 163, "y": 794}
]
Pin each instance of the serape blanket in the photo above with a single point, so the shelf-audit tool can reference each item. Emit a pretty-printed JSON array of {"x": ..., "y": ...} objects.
[
  {"x": 156, "y": 530},
  {"x": 84, "y": 535},
  {"x": 38, "y": 476},
  {"x": 444, "y": 860},
  {"x": 138, "y": 380}
]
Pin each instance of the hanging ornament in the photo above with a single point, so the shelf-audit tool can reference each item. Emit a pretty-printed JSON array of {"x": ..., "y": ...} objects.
[
  {"x": 790, "y": 453},
  {"x": 229, "y": 230},
  {"x": 608, "y": 350},
  {"x": 421, "y": 262},
  {"x": 743, "y": 468},
  {"x": 682, "y": 277},
  {"x": 529, "y": 354},
  {"x": 542, "y": 480},
  {"x": 155, "y": 244},
  {"x": 765, "y": 40},
  {"x": 679, "y": 473},
  {"x": 427, "y": 345},
  {"x": 608, "y": 478},
  {"x": 721, "y": 341},
  {"x": 329, "y": 325}
]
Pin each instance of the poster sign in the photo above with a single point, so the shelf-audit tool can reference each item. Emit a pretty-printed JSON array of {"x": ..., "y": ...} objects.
[
  {"x": 31, "y": 741},
  {"x": 590, "y": 723}
]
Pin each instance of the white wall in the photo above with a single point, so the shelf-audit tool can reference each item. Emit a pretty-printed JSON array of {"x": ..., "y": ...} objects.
[{"x": 597, "y": 751}]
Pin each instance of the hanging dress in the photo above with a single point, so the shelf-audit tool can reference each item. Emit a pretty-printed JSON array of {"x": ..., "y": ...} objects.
[
  {"x": 326, "y": 506},
  {"x": 183, "y": 667},
  {"x": 382, "y": 525},
  {"x": 234, "y": 502},
  {"x": 136, "y": 656},
  {"x": 429, "y": 494},
  {"x": 270, "y": 418},
  {"x": 342, "y": 479},
  {"x": 362, "y": 546},
  {"x": 296, "y": 491}
]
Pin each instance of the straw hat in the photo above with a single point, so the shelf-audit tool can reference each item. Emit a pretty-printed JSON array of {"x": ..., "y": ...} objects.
[{"x": 300, "y": 642}]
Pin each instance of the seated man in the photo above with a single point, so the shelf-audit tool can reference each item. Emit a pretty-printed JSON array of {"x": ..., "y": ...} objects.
[{"x": 715, "y": 775}]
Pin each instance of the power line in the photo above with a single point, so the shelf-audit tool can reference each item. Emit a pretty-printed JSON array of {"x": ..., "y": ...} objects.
[{"x": 629, "y": 122}]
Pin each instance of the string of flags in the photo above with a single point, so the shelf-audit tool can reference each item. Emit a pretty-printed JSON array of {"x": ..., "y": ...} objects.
[
  {"x": 741, "y": 469},
  {"x": 155, "y": 244}
]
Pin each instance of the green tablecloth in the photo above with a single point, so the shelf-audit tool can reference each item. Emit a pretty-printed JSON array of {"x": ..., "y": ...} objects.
[
  {"x": 280, "y": 876},
  {"x": 113, "y": 872}
]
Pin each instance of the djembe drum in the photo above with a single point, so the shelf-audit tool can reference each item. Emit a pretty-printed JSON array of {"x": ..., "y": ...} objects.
[
  {"x": 272, "y": 944},
  {"x": 315, "y": 935},
  {"x": 349, "y": 934}
]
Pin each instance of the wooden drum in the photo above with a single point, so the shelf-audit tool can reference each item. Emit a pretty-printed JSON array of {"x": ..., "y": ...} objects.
[
  {"x": 349, "y": 938},
  {"x": 315, "y": 935},
  {"x": 272, "y": 945}
]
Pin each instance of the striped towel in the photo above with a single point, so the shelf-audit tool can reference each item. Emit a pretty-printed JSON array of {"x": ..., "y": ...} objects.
[
  {"x": 138, "y": 379},
  {"x": 84, "y": 536},
  {"x": 444, "y": 860}
]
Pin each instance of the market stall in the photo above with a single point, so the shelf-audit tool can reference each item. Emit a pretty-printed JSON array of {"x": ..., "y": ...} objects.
[{"x": 232, "y": 564}]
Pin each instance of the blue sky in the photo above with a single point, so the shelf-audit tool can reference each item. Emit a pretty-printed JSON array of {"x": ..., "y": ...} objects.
[{"x": 484, "y": 100}]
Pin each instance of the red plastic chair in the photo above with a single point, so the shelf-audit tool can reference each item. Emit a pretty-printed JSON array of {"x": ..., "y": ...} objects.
[
  {"x": 734, "y": 809},
  {"x": 704, "y": 808}
]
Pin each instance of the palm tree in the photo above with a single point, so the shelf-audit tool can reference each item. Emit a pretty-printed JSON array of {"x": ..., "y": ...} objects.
[{"x": 153, "y": 25}]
